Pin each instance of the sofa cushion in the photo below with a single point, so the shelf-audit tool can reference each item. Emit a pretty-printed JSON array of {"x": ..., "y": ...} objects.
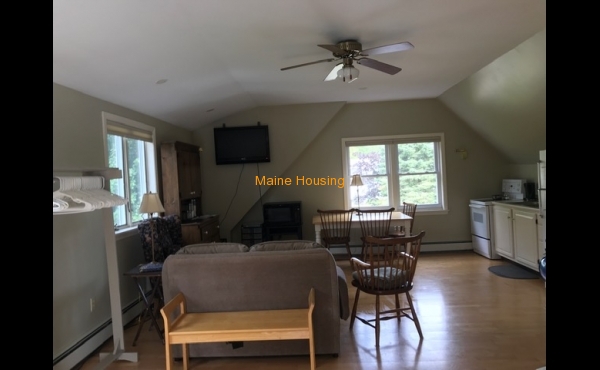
[
  {"x": 209, "y": 248},
  {"x": 284, "y": 245}
]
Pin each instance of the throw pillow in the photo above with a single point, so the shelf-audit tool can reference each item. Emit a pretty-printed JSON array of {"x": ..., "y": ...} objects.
[
  {"x": 284, "y": 245},
  {"x": 208, "y": 248}
]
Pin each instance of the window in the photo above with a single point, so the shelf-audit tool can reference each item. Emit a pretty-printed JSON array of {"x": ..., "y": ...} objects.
[
  {"x": 395, "y": 169},
  {"x": 130, "y": 146}
]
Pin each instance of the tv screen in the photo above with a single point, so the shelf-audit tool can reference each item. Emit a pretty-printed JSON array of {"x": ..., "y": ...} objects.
[{"x": 243, "y": 144}]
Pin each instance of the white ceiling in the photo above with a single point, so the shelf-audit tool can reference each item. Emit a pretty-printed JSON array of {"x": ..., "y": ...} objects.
[{"x": 220, "y": 57}]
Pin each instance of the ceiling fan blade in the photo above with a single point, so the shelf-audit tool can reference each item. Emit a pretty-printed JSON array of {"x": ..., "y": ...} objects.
[
  {"x": 401, "y": 46},
  {"x": 307, "y": 64},
  {"x": 333, "y": 74},
  {"x": 334, "y": 49},
  {"x": 383, "y": 67}
]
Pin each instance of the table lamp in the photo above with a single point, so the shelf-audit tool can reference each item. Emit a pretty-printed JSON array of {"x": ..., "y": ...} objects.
[
  {"x": 151, "y": 204},
  {"x": 357, "y": 181}
]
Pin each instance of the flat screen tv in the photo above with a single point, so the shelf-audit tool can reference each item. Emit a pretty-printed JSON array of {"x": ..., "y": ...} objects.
[{"x": 242, "y": 144}]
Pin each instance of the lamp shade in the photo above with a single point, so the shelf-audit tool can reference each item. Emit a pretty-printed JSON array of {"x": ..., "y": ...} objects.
[
  {"x": 151, "y": 204},
  {"x": 356, "y": 181}
]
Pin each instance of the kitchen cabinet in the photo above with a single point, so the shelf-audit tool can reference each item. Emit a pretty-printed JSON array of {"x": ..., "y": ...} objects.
[
  {"x": 181, "y": 178},
  {"x": 516, "y": 233},
  {"x": 525, "y": 237},
  {"x": 204, "y": 231},
  {"x": 503, "y": 231}
]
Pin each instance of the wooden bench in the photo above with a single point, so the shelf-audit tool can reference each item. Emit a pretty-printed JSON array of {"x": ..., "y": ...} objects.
[{"x": 203, "y": 327}]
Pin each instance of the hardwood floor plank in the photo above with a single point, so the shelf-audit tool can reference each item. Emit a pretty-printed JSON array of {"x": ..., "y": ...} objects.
[{"x": 471, "y": 320}]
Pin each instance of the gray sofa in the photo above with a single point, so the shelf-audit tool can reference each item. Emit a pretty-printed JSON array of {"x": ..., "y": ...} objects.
[{"x": 271, "y": 275}]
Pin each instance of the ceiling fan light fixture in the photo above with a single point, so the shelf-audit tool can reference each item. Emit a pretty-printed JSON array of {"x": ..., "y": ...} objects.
[{"x": 348, "y": 73}]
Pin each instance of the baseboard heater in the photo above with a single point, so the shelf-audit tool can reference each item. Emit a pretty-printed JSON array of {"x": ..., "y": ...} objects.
[
  {"x": 446, "y": 246},
  {"x": 81, "y": 350}
]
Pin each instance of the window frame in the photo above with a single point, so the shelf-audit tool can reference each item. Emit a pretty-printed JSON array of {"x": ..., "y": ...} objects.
[
  {"x": 392, "y": 168},
  {"x": 129, "y": 128}
]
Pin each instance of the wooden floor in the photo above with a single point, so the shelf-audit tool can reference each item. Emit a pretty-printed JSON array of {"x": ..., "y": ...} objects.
[{"x": 471, "y": 320}]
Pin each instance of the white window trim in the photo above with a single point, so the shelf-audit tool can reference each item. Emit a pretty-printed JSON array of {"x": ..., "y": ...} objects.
[
  {"x": 393, "y": 184},
  {"x": 106, "y": 116}
]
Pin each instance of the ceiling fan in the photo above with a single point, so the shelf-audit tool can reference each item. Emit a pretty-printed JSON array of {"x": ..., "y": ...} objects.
[{"x": 351, "y": 50}]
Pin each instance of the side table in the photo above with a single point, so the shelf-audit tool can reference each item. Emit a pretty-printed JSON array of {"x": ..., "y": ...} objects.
[{"x": 155, "y": 278}]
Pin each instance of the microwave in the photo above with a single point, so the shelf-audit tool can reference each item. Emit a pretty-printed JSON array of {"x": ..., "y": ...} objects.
[{"x": 282, "y": 213}]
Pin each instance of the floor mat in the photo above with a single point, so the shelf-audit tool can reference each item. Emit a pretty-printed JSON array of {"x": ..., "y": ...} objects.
[{"x": 513, "y": 272}]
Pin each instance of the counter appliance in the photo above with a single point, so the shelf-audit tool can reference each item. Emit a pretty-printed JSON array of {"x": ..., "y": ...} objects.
[{"x": 482, "y": 236}]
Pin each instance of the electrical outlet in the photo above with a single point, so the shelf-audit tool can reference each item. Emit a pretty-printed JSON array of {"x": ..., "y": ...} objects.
[{"x": 92, "y": 304}]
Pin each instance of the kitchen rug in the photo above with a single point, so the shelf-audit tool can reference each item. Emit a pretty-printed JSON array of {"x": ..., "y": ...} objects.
[{"x": 512, "y": 271}]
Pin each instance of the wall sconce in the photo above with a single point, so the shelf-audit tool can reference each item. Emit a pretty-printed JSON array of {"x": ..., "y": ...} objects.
[{"x": 463, "y": 152}]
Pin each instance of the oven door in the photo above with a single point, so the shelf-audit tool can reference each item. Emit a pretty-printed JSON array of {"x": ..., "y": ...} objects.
[{"x": 480, "y": 221}]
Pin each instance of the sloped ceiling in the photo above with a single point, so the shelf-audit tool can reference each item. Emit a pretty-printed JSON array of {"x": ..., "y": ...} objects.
[
  {"x": 505, "y": 102},
  {"x": 191, "y": 63}
]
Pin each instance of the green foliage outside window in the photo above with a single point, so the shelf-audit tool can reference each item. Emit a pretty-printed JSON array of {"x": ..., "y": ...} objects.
[
  {"x": 416, "y": 171},
  {"x": 134, "y": 157}
]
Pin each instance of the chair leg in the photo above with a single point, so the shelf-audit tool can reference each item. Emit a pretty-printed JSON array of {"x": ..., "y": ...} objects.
[
  {"x": 414, "y": 314},
  {"x": 353, "y": 316},
  {"x": 349, "y": 251},
  {"x": 186, "y": 356},
  {"x": 377, "y": 321}
]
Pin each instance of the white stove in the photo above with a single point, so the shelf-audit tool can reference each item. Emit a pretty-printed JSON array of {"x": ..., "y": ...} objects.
[
  {"x": 481, "y": 217},
  {"x": 484, "y": 201}
]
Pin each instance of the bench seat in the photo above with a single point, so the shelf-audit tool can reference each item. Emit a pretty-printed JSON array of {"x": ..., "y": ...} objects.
[{"x": 184, "y": 327}]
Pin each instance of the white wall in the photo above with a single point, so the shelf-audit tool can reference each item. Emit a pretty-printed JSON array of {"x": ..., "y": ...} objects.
[
  {"x": 505, "y": 101},
  {"x": 79, "y": 257},
  {"x": 479, "y": 175}
]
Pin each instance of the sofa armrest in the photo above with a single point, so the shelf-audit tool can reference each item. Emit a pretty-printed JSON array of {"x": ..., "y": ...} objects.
[{"x": 343, "y": 289}]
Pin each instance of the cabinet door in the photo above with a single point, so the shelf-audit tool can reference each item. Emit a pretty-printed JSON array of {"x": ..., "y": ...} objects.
[
  {"x": 201, "y": 232},
  {"x": 503, "y": 231},
  {"x": 188, "y": 169},
  {"x": 191, "y": 234},
  {"x": 210, "y": 232},
  {"x": 525, "y": 238}
]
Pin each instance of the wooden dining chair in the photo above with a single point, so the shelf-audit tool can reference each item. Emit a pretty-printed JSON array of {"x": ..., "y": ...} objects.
[
  {"x": 388, "y": 268},
  {"x": 335, "y": 227},
  {"x": 374, "y": 223},
  {"x": 409, "y": 209}
]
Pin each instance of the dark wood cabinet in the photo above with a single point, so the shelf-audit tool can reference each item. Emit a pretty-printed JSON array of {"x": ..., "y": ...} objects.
[
  {"x": 205, "y": 231},
  {"x": 181, "y": 178},
  {"x": 182, "y": 189},
  {"x": 188, "y": 172}
]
